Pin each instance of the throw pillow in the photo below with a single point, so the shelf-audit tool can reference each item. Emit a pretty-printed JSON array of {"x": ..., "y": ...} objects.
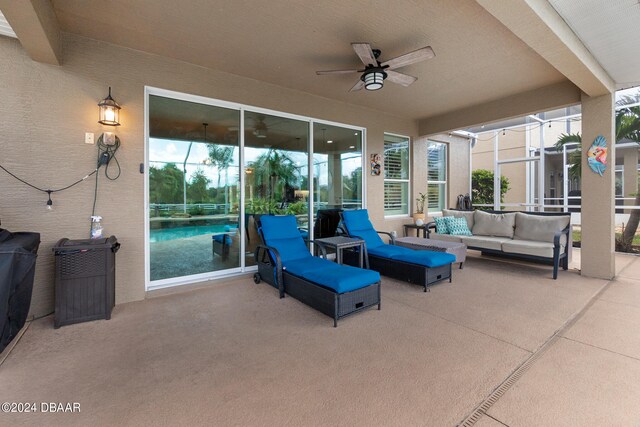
[
  {"x": 457, "y": 226},
  {"x": 460, "y": 214},
  {"x": 441, "y": 225}
]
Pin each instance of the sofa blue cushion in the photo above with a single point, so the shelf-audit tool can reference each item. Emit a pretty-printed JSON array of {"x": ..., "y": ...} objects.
[
  {"x": 358, "y": 225},
  {"x": 282, "y": 233},
  {"x": 425, "y": 258}
]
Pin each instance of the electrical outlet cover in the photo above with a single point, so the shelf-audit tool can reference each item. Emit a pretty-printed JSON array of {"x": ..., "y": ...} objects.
[{"x": 88, "y": 138}]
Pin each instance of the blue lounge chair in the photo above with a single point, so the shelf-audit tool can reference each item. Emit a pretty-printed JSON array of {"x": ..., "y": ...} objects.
[
  {"x": 421, "y": 267},
  {"x": 284, "y": 261}
]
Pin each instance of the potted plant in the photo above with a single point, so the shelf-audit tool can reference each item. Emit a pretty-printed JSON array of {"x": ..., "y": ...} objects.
[{"x": 419, "y": 216}]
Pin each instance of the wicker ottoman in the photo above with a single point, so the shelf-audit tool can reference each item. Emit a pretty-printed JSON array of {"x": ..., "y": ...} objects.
[{"x": 419, "y": 243}]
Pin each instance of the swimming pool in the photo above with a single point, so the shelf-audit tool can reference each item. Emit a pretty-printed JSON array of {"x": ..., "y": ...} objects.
[{"x": 164, "y": 234}]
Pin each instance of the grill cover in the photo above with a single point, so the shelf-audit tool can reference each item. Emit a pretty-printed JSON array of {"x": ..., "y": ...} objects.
[{"x": 18, "y": 252}]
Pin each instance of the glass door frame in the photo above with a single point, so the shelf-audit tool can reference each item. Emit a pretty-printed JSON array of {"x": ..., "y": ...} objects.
[{"x": 241, "y": 108}]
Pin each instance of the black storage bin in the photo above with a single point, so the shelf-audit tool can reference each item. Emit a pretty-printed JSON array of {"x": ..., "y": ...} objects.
[
  {"x": 18, "y": 252},
  {"x": 85, "y": 279}
]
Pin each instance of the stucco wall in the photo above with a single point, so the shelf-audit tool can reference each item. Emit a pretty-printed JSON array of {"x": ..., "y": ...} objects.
[
  {"x": 458, "y": 174},
  {"x": 46, "y": 110}
]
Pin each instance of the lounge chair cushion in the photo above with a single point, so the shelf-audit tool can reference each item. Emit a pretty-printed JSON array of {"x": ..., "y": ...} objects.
[
  {"x": 282, "y": 233},
  {"x": 340, "y": 278},
  {"x": 358, "y": 225},
  {"x": 305, "y": 265},
  {"x": 425, "y": 258},
  {"x": 344, "y": 278}
]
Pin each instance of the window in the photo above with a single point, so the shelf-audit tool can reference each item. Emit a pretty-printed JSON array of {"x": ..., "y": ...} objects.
[
  {"x": 436, "y": 176},
  {"x": 396, "y": 175}
]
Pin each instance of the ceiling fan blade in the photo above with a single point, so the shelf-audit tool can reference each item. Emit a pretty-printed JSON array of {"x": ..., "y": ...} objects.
[
  {"x": 410, "y": 58},
  {"x": 357, "y": 86},
  {"x": 320, "y": 73},
  {"x": 364, "y": 52},
  {"x": 400, "y": 78}
]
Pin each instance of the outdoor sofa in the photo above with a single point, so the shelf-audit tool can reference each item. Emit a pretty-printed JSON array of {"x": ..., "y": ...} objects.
[
  {"x": 424, "y": 268},
  {"x": 284, "y": 261},
  {"x": 535, "y": 236}
]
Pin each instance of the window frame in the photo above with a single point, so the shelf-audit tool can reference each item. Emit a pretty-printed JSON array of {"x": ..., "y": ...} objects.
[
  {"x": 440, "y": 182},
  {"x": 619, "y": 169},
  {"x": 407, "y": 181}
]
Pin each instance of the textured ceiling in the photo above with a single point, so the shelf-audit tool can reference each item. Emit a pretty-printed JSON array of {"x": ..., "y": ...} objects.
[
  {"x": 610, "y": 30},
  {"x": 284, "y": 42}
]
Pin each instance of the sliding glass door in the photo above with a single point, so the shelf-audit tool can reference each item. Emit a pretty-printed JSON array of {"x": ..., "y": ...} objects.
[
  {"x": 337, "y": 175},
  {"x": 276, "y": 172},
  {"x": 193, "y": 188},
  {"x": 215, "y": 167},
  {"x": 337, "y": 163}
]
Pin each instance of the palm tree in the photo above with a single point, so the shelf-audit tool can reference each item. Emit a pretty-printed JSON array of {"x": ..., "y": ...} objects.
[
  {"x": 274, "y": 165},
  {"x": 628, "y": 129},
  {"x": 197, "y": 188},
  {"x": 222, "y": 156}
]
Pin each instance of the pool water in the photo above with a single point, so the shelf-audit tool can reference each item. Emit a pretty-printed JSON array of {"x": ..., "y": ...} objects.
[{"x": 164, "y": 234}]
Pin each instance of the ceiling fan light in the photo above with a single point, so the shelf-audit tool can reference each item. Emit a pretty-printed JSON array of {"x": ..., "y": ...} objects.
[{"x": 374, "y": 80}]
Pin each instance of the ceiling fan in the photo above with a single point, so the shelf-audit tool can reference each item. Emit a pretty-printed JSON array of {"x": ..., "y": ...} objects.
[
  {"x": 375, "y": 72},
  {"x": 260, "y": 128}
]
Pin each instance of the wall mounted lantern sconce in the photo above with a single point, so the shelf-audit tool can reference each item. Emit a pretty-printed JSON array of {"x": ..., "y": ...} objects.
[{"x": 109, "y": 111}]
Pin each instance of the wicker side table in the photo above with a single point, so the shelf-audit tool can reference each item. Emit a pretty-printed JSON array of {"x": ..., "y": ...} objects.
[
  {"x": 341, "y": 242},
  {"x": 418, "y": 243}
]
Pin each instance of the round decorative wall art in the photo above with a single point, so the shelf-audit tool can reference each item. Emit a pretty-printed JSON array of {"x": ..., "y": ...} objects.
[{"x": 597, "y": 155}]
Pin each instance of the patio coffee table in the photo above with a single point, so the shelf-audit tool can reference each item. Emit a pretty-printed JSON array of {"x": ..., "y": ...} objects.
[{"x": 419, "y": 243}]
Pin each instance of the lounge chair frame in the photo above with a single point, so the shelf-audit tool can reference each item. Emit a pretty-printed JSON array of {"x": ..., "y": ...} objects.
[{"x": 327, "y": 301}]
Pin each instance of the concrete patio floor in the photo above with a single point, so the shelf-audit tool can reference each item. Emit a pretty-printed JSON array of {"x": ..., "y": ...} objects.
[{"x": 232, "y": 353}]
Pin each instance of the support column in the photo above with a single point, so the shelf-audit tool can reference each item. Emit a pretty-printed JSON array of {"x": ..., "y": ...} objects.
[
  {"x": 630, "y": 174},
  {"x": 334, "y": 169},
  {"x": 598, "y": 192}
]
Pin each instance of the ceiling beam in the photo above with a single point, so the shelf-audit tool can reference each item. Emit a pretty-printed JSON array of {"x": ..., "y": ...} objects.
[
  {"x": 547, "y": 98},
  {"x": 539, "y": 25},
  {"x": 36, "y": 26}
]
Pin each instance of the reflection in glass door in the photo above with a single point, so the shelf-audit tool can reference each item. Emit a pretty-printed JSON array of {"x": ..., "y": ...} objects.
[
  {"x": 337, "y": 175},
  {"x": 194, "y": 188},
  {"x": 276, "y": 172}
]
